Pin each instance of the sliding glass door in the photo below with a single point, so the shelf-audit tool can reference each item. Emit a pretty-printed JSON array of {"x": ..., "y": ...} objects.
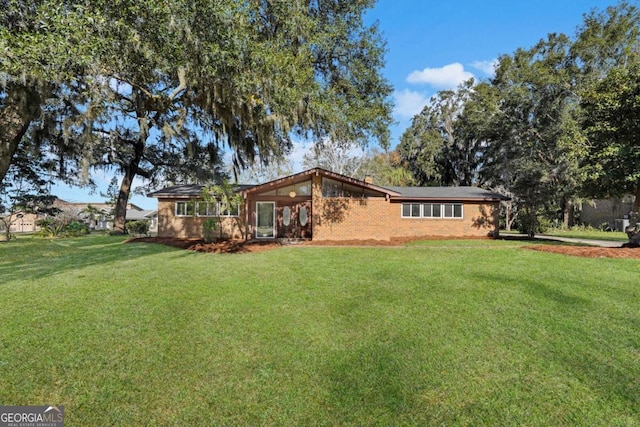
[{"x": 265, "y": 220}]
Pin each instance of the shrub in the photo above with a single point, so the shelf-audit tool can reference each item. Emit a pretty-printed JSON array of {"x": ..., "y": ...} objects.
[
  {"x": 138, "y": 228},
  {"x": 209, "y": 228},
  {"x": 49, "y": 227},
  {"x": 76, "y": 228}
]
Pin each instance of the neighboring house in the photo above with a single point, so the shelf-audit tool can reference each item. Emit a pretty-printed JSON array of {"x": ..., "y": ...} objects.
[
  {"x": 97, "y": 218},
  {"x": 21, "y": 222},
  {"x": 613, "y": 213},
  {"x": 144, "y": 215},
  {"x": 322, "y": 205}
]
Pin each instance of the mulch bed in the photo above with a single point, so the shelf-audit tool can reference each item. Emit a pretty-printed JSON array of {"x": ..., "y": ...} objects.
[
  {"x": 225, "y": 246},
  {"x": 240, "y": 246},
  {"x": 588, "y": 251}
]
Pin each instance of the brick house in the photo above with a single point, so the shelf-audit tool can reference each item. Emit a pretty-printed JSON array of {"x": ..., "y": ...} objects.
[{"x": 322, "y": 205}]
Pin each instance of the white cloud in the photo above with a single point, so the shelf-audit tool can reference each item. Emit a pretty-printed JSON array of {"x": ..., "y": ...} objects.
[
  {"x": 447, "y": 77},
  {"x": 409, "y": 103},
  {"x": 487, "y": 67},
  {"x": 297, "y": 153}
]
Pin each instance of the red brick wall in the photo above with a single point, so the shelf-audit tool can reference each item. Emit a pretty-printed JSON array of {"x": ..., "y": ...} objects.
[
  {"x": 190, "y": 227},
  {"x": 380, "y": 219}
]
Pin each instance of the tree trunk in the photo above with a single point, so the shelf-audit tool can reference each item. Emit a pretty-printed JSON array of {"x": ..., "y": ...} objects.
[
  {"x": 636, "y": 203},
  {"x": 507, "y": 217},
  {"x": 120, "y": 211},
  {"x": 567, "y": 214},
  {"x": 21, "y": 107}
]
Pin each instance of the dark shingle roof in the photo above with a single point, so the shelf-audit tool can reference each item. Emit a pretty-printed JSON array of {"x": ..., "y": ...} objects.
[
  {"x": 187, "y": 191},
  {"x": 448, "y": 193}
]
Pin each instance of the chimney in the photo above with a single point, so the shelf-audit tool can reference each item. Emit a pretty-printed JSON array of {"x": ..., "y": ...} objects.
[{"x": 368, "y": 179}]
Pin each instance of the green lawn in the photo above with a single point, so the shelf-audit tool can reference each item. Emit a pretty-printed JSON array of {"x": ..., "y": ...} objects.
[
  {"x": 593, "y": 234},
  {"x": 438, "y": 333}
]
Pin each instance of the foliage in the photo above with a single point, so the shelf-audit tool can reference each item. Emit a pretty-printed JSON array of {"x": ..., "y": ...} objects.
[
  {"x": 436, "y": 148},
  {"x": 387, "y": 169},
  {"x": 439, "y": 333},
  {"x": 227, "y": 199},
  {"x": 156, "y": 90},
  {"x": 50, "y": 227},
  {"x": 46, "y": 52},
  {"x": 58, "y": 227},
  {"x": 25, "y": 192},
  {"x": 209, "y": 228},
  {"x": 138, "y": 228},
  {"x": 343, "y": 157},
  {"x": 76, "y": 228},
  {"x": 612, "y": 107}
]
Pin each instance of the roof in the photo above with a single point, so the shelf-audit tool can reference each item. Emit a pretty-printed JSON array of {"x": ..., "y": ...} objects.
[
  {"x": 447, "y": 193},
  {"x": 323, "y": 172},
  {"x": 134, "y": 215},
  {"x": 187, "y": 191}
]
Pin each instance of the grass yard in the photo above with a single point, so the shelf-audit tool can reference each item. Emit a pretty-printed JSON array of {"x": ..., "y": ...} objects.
[
  {"x": 436, "y": 333},
  {"x": 592, "y": 234}
]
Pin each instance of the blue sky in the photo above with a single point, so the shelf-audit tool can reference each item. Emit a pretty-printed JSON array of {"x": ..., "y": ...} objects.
[{"x": 434, "y": 45}]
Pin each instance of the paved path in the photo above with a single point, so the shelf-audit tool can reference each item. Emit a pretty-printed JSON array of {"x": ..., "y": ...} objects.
[{"x": 601, "y": 243}]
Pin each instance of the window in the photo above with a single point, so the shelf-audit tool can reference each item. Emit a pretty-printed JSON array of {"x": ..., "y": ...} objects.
[
  {"x": 185, "y": 208},
  {"x": 334, "y": 188},
  {"x": 331, "y": 188},
  {"x": 233, "y": 210},
  {"x": 300, "y": 189},
  {"x": 432, "y": 210},
  {"x": 411, "y": 210},
  {"x": 286, "y": 216},
  {"x": 207, "y": 209},
  {"x": 200, "y": 208}
]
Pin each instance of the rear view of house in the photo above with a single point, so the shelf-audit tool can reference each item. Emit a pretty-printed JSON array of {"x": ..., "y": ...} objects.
[{"x": 319, "y": 204}]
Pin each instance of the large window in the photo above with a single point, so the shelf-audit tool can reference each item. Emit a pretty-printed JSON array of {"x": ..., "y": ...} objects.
[
  {"x": 333, "y": 188},
  {"x": 299, "y": 189},
  {"x": 200, "y": 208},
  {"x": 432, "y": 210}
]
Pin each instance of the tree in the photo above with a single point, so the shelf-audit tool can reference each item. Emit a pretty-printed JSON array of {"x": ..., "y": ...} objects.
[
  {"x": 24, "y": 192},
  {"x": 343, "y": 157},
  {"x": 534, "y": 141},
  {"x": 216, "y": 74},
  {"x": 612, "y": 108},
  {"x": 46, "y": 49},
  {"x": 387, "y": 169},
  {"x": 436, "y": 147},
  {"x": 607, "y": 49}
]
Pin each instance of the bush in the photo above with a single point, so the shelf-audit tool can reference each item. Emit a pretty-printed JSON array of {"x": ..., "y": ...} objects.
[
  {"x": 137, "y": 228},
  {"x": 49, "y": 227},
  {"x": 76, "y": 228},
  {"x": 209, "y": 228}
]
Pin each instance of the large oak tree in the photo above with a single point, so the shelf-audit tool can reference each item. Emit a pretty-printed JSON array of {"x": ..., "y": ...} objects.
[{"x": 167, "y": 80}]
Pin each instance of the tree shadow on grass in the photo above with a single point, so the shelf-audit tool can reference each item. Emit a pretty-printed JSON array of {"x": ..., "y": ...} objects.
[
  {"x": 595, "y": 352},
  {"x": 46, "y": 257}
]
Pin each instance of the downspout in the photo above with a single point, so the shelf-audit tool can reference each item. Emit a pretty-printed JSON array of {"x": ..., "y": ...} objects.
[{"x": 246, "y": 216}]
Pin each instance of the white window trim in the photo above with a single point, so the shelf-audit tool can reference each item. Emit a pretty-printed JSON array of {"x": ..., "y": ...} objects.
[
  {"x": 196, "y": 210},
  {"x": 185, "y": 209},
  {"x": 442, "y": 210},
  {"x": 410, "y": 216}
]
